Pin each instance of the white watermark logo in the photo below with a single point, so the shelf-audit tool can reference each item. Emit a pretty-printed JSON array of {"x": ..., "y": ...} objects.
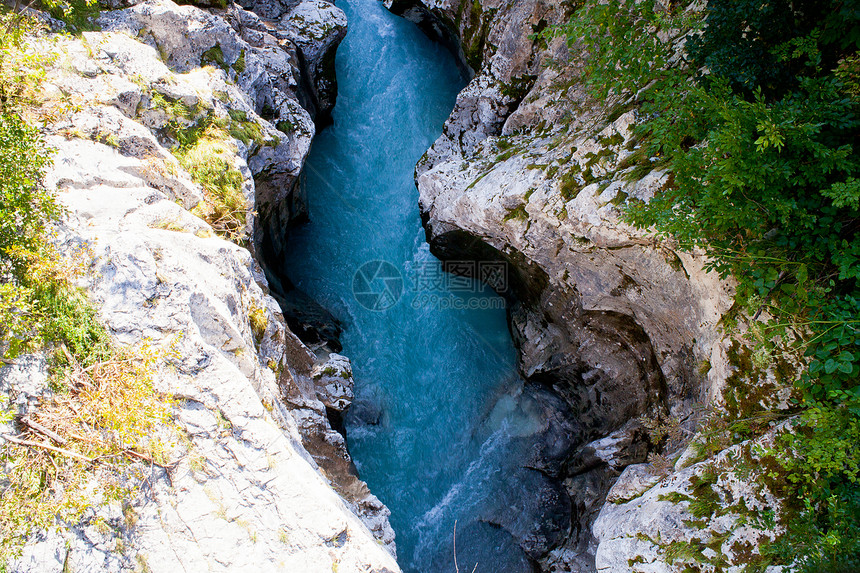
[{"x": 378, "y": 285}]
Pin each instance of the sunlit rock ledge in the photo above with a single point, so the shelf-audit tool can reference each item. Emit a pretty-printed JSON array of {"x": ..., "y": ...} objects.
[{"x": 256, "y": 479}]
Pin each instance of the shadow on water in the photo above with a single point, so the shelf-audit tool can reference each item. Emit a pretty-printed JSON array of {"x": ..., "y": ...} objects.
[{"x": 441, "y": 422}]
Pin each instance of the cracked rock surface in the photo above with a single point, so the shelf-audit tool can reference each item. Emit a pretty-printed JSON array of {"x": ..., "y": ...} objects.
[{"x": 255, "y": 483}]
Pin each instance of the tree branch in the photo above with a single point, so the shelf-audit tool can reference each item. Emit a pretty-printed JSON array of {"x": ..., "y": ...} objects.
[
  {"x": 32, "y": 444},
  {"x": 44, "y": 431}
]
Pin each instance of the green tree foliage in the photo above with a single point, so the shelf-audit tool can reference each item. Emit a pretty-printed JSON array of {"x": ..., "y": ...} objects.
[
  {"x": 752, "y": 105},
  {"x": 770, "y": 45},
  {"x": 38, "y": 303},
  {"x": 25, "y": 205}
]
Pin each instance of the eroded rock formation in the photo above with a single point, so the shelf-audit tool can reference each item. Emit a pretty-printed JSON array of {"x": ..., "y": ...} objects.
[
  {"x": 259, "y": 479},
  {"x": 532, "y": 171}
]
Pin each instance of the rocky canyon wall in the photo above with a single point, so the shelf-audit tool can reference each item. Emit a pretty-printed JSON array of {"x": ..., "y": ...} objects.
[
  {"x": 623, "y": 326},
  {"x": 256, "y": 477}
]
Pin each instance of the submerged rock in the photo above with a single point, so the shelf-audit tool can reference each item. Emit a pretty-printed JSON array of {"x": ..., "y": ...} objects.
[{"x": 536, "y": 511}]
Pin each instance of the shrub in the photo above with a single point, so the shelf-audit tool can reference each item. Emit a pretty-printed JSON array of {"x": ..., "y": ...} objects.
[
  {"x": 208, "y": 159},
  {"x": 80, "y": 15},
  {"x": 259, "y": 323},
  {"x": 21, "y": 66},
  {"x": 25, "y": 205}
]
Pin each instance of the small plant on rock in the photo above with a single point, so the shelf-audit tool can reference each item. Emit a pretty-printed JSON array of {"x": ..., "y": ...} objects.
[{"x": 208, "y": 158}]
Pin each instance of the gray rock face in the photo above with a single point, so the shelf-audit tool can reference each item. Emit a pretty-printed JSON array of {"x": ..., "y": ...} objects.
[
  {"x": 312, "y": 30},
  {"x": 532, "y": 172},
  {"x": 284, "y": 75},
  {"x": 316, "y": 28},
  {"x": 647, "y": 516},
  {"x": 23, "y": 382},
  {"x": 282, "y": 61},
  {"x": 492, "y": 38},
  {"x": 318, "y": 393},
  {"x": 333, "y": 380},
  {"x": 261, "y": 481}
]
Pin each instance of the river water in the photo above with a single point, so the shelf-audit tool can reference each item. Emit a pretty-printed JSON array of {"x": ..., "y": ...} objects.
[{"x": 439, "y": 405}]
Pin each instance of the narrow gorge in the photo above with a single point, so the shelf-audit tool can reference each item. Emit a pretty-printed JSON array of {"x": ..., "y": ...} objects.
[
  {"x": 424, "y": 341},
  {"x": 441, "y": 426}
]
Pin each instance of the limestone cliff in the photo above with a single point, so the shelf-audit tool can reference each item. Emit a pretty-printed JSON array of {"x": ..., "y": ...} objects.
[
  {"x": 624, "y": 327},
  {"x": 258, "y": 479}
]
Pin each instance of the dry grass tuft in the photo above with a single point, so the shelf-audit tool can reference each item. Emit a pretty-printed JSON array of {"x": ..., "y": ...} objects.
[{"x": 79, "y": 444}]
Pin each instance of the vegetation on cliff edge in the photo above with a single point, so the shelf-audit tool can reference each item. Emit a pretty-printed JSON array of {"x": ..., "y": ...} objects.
[
  {"x": 102, "y": 410},
  {"x": 752, "y": 105}
]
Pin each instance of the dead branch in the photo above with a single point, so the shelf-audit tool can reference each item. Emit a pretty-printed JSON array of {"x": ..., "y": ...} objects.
[
  {"x": 44, "y": 431},
  {"x": 32, "y": 444},
  {"x": 456, "y": 567},
  {"x": 81, "y": 438},
  {"x": 145, "y": 458}
]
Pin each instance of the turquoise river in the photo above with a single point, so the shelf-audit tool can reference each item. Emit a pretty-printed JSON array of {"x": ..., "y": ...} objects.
[{"x": 438, "y": 401}]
